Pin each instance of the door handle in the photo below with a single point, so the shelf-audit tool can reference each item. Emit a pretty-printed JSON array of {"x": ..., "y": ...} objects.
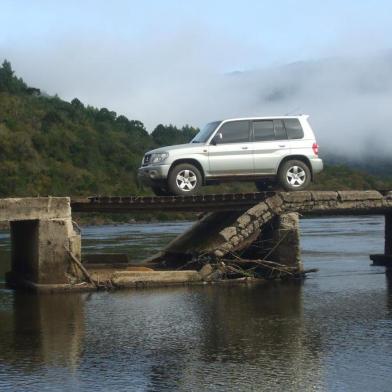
[
  {"x": 244, "y": 147},
  {"x": 282, "y": 145}
]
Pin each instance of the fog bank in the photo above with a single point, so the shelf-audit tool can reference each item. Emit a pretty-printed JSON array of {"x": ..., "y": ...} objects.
[{"x": 176, "y": 80}]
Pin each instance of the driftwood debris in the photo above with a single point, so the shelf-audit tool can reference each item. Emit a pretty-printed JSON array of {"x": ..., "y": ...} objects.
[
  {"x": 81, "y": 267},
  {"x": 237, "y": 268}
]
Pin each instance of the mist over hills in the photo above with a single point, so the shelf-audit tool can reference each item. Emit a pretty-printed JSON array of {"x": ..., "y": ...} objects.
[
  {"x": 349, "y": 100},
  {"x": 373, "y": 164},
  {"x": 49, "y": 146},
  {"x": 348, "y": 96}
]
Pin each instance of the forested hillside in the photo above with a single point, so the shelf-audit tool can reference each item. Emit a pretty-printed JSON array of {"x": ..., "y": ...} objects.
[{"x": 52, "y": 147}]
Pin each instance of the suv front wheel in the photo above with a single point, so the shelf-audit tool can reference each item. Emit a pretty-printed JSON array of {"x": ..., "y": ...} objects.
[
  {"x": 294, "y": 175},
  {"x": 184, "y": 179}
]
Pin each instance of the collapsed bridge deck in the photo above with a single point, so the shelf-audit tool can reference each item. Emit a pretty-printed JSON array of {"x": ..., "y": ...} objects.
[
  {"x": 46, "y": 244},
  {"x": 239, "y": 222}
]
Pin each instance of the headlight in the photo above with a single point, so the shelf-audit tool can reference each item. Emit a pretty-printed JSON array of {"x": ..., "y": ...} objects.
[{"x": 158, "y": 157}]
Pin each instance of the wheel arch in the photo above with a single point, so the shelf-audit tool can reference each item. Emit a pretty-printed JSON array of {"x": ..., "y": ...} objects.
[
  {"x": 191, "y": 161},
  {"x": 301, "y": 158}
]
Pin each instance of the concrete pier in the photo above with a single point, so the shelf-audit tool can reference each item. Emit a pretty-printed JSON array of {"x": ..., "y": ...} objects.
[
  {"x": 42, "y": 235},
  {"x": 39, "y": 250},
  {"x": 386, "y": 258},
  {"x": 286, "y": 239}
]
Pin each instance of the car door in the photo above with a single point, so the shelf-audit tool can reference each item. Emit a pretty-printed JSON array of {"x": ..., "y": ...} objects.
[
  {"x": 270, "y": 145},
  {"x": 230, "y": 151}
]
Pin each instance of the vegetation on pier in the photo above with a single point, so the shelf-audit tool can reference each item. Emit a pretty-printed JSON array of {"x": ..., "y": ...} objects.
[{"x": 52, "y": 147}]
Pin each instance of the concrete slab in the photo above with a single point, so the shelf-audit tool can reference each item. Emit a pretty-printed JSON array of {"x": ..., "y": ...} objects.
[
  {"x": 33, "y": 208},
  {"x": 125, "y": 279},
  {"x": 324, "y": 195},
  {"x": 296, "y": 197},
  {"x": 359, "y": 195}
]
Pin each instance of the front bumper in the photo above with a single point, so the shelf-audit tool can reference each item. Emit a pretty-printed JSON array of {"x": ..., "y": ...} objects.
[
  {"x": 150, "y": 175},
  {"x": 317, "y": 165}
]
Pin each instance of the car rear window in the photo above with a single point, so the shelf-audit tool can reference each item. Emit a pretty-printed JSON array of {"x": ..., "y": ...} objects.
[
  {"x": 293, "y": 128},
  {"x": 280, "y": 131},
  {"x": 267, "y": 130}
]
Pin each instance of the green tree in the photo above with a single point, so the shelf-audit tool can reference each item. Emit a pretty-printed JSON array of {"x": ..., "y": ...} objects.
[
  {"x": 165, "y": 135},
  {"x": 9, "y": 82}
]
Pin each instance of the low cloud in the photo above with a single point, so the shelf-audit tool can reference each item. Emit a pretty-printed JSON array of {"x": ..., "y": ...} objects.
[{"x": 182, "y": 79}]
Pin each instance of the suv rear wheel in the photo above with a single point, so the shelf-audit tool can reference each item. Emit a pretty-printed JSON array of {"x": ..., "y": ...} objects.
[
  {"x": 184, "y": 179},
  {"x": 294, "y": 175}
]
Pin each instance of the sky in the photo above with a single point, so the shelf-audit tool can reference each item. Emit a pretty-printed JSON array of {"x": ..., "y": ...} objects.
[{"x": 190, "y": 62}]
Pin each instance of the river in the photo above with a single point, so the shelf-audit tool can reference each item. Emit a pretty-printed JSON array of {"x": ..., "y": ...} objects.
[{"x": 333, "y": 332}]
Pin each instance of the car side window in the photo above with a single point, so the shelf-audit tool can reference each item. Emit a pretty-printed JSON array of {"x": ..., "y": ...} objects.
[
  {"x": 293, "y": 128},
  {"x": 280, "y": 131},
  {"x": 233, "y": 132},
  {"x": 263, "y": 130}
]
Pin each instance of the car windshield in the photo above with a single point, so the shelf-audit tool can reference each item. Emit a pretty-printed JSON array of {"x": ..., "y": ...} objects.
[{"x": 206, "y": 132}]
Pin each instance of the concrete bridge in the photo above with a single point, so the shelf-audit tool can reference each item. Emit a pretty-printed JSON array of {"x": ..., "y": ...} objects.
[
  {"x": 258, "y": 226},
  {"x": 231, "y": 201}
]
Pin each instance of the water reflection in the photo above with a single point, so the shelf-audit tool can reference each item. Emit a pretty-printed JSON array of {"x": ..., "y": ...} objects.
[
  {"x": 5, "y": 255},
  {"x": 42, "y": 330},
  {"x": 256, "y": 336},
  {"x": 198, "y": 337},
  {"x": 165, "y": 339},
  {"x": 388, "y": 279},
  {"x": 333, "y": 332},
  {"x": 266, "y": 306}
]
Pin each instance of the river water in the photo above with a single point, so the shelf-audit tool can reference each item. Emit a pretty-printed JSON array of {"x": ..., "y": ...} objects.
[{"x": 331, "y": 333}]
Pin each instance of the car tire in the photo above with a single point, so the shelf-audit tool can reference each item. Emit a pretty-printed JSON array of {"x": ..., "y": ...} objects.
[
  {"x": 184, "y": 179},
  {"x": 161, "y": 191},
  {"x": 294, "y": 175}
]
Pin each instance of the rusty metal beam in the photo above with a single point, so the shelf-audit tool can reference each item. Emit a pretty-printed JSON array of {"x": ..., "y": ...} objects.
[
  {"x": 196, "y": 203},
  {"x": 307, "y": 203}
]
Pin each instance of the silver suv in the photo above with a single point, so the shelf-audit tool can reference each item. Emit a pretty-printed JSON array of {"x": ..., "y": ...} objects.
[{"x": 266, "y": 150}]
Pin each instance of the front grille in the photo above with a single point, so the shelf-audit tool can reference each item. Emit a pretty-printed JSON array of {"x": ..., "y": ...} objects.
[{"x": 146, "y": 159}]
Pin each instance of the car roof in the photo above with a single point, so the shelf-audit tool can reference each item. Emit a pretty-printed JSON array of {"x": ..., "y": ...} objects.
[{"x": 266, "y": 118}]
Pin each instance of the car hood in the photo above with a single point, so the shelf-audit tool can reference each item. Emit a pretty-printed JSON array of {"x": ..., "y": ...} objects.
[{"x": 185, "y": 147}]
